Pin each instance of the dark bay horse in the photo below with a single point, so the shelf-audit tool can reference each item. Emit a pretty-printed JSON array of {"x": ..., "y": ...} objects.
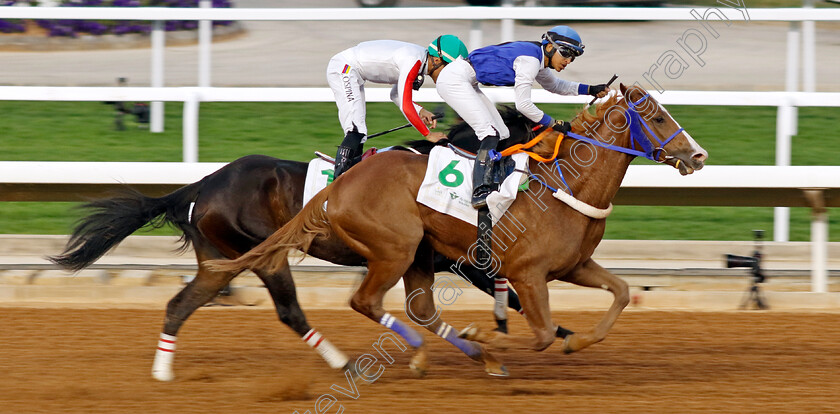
[
  {"x": 549, "y": 233},
  {"x": 226, "y": 214}
]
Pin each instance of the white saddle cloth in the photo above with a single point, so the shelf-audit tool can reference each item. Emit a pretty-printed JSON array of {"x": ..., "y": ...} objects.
[
  {"x": 318, "y": 175},
  {"x": 447, "y": 186}
]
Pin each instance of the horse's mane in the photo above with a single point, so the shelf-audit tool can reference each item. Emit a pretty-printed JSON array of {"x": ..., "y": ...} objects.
[{"x": 584, "y": 117}]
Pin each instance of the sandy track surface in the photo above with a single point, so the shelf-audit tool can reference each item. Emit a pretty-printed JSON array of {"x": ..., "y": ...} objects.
[{"x": 243, "y": 360}]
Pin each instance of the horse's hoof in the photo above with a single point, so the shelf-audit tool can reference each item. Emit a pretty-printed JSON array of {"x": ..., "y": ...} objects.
[
  {"x": 500, "y": 371},
  {"x": 469, "y": 332},
  {"x": 567, "y": 348},
  {"x": 163, "y": 375},
  {"x": 493, "y": 366},
  {"x": 350, "y": 367},
  {"x": 419, "y": 370},
  {"x": 574, "y": 343},
  {"x": 419, "y": 363}
]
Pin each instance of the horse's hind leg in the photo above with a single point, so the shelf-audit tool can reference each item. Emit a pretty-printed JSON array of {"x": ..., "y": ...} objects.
[
  {"x": 591, "y": 274},
  {"x": 281, "y": 287},
  {"x": 199, "y": 291},
  {"x": 420, "y": 307},
  {"x": 382, "y": 276}
]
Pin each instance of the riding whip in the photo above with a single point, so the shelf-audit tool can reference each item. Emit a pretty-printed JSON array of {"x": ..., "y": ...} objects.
[{"x": 437, "y": 116}]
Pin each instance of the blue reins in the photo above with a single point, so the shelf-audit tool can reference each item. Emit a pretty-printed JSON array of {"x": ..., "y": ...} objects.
[{"x": 637, "y": 135}]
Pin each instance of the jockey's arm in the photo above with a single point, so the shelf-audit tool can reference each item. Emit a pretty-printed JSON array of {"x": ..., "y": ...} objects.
[
  {"x": 401, "y": 95},
  {"x": 526, "y": 69},
  {"x": 553, "y": 84}
]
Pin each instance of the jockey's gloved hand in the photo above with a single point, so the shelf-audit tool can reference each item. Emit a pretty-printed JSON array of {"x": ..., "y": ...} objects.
[
  {"x": 594, "y": 90},
  {"x": 561, "y": 126}
]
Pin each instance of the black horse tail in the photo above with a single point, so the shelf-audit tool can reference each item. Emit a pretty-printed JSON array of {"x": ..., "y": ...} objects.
[
  {"x": 113, "y": 219},
  {"x": 298, "y": 233}
]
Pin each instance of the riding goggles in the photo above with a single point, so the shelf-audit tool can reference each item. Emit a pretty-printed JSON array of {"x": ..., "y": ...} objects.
[{"x": 566, "y": 52}]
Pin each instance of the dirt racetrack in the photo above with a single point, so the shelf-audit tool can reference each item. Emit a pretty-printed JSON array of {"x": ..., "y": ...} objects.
[{"x": 233, "y": 360}]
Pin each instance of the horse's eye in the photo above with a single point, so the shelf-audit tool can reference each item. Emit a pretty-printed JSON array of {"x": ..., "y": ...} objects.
[{"x": 659, "y": 119}]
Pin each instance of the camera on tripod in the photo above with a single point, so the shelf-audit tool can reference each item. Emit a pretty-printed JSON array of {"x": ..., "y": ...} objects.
[{"x": 753, "y": 262}]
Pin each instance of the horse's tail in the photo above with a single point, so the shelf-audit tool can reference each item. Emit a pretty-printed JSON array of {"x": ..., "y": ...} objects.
[
  {"x": 297, "y": 233},
  {"x": 113, "y": 219}
]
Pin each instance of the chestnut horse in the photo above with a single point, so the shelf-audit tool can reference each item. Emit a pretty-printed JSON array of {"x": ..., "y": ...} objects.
[
  {"x": 373, "y": 210},
  {"x": 226, "y": 214}
]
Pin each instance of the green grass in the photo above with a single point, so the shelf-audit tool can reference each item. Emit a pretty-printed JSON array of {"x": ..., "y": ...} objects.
[{"x": 83, "y": 131}]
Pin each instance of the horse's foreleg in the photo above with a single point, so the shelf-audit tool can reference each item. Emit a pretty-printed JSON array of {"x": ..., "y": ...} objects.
[
  {"x": 420, "y": 307},
  {"x": 533, "y": 294},
  {"x": 281, "y": 287},
  {"x": 591, "y": 274},
  {"x": 204, "y": 287}
]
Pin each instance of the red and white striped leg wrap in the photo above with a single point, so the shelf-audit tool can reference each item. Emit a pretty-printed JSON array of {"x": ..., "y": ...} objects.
[
  {"x": 162, "y": 367},
  {"x": 500, "y": 293},
  {"x": 334, "y": 357}
]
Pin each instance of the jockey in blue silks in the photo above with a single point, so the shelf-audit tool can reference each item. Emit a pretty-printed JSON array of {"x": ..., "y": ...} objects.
[{"x": 516, "y": 64}]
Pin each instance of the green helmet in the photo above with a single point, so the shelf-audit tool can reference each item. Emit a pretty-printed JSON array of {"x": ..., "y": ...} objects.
[{"x": 448, "y": 48}]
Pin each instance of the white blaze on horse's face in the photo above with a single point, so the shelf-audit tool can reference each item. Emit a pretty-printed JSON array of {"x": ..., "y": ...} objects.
[
  {"x": 695, "y": 156},
  {"x": 682, "y": 151}
]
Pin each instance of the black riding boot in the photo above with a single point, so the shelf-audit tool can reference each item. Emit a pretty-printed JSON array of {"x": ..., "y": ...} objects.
[
  {"x": 483, "y": 172},
  {"x": 348, "y": 151}
]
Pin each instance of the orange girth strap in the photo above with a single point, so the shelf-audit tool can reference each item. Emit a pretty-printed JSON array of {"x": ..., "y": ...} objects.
[{"x": 522, "y": 147}]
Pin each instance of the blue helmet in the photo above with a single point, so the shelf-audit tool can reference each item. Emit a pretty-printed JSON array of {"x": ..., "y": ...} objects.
[{"x": 564, "y": 37}]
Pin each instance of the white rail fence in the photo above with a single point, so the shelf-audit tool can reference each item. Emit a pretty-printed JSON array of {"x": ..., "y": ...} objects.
[{"x": 798, "y": 186}]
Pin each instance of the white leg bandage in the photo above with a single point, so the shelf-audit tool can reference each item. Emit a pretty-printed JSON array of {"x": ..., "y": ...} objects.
[
  {"x": 334, "y": 357},
  {"x": 165, "y": 353}
]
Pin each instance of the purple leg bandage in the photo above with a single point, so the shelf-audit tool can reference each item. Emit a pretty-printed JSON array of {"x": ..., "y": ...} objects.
[
  {"x": 410, "y": 335},
  {"x": 470, "y": 348}
]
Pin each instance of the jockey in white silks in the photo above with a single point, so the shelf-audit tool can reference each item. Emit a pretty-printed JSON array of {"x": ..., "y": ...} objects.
[{"x": 390, "y": 62}]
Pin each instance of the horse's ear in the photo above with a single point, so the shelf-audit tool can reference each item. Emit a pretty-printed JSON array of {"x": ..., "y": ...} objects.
[{"x": 622, "y": 88}]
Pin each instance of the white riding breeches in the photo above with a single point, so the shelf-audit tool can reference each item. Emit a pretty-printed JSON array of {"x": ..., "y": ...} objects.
[
  {"x": 458, "y": 87},
  {"x": 349, "y": 90}
]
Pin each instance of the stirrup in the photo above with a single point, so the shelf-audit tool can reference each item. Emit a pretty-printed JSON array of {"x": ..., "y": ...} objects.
[{"x": 479, "y": 196}]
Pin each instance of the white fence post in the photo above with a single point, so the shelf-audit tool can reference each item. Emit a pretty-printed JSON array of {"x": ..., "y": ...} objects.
[
  {"x": 819, "y": 251},
  {"x": 819, "y": 240},
  {"x": 158, "y": 44},
  {"x": 781, "y": 215},
  {"x": 190, "y": 132},
  {"x": 205, "y": 39},
  {"x": 809, "y": 52},
  {"x": 507, "y": 24},
  {"x": 786, "y": 127},
  {"x": 475, "y": 35}
]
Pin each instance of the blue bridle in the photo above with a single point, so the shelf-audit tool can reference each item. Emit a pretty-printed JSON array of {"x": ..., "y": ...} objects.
[{"x": 637, "y": 135}]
